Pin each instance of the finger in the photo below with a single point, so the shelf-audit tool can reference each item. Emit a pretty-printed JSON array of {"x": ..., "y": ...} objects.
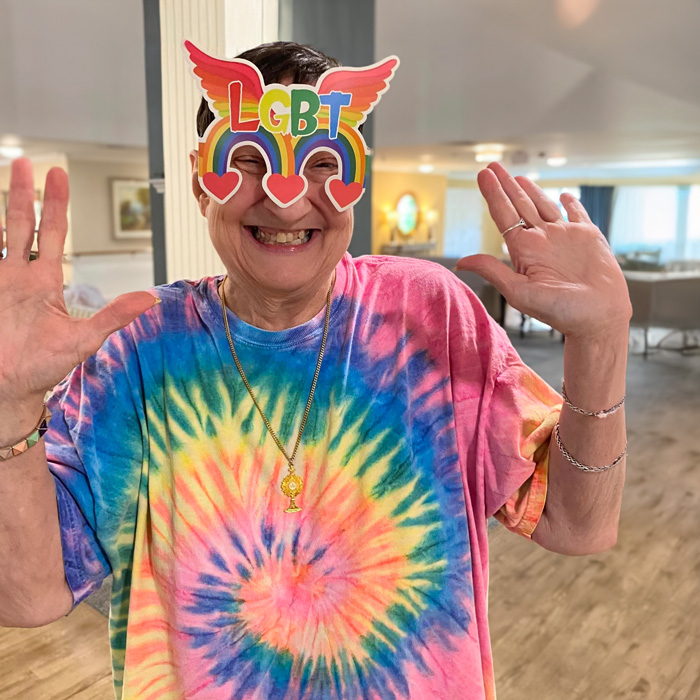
[
  {"x": 521, "y": 201},
  {"x": 500, "y": 207},
  {"x": 20, "y": 210},
  {"x": 547, "y": 209},
  {"x": 117, "y": 314},
  {"x": 53, "y": 227},
  {"x": 574, "y": 209},
  {"x": 493, "y": 271}
]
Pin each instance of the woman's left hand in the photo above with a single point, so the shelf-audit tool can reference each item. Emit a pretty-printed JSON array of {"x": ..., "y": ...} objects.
[{"x": 564, "y": 273}]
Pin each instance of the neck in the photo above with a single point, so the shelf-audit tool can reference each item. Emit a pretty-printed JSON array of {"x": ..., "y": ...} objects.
[{"x": 275, "y": 310}]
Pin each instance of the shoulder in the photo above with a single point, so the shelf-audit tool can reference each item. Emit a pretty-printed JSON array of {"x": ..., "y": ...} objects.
[
  {"x": 185, "y": 304},
  {"x": 184, "y": 289},
  {"x": 422, "y": 280}
]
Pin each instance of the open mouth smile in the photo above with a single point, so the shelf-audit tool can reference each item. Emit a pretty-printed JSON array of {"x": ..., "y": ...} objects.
[{"x": 274, "y": 237}]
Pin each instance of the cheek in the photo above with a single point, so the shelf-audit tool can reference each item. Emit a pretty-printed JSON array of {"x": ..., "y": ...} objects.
[
  {"x": 230, "y": 215},
  {"x": 345, "y": 222}
]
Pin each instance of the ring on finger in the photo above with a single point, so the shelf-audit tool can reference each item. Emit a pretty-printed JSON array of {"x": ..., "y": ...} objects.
[{"x": 522, "y": 223}]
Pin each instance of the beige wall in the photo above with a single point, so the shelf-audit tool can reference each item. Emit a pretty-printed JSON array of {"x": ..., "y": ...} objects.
[
  {"x": 91, "y": 204},
  {"x": 387, "y": 187},
  {"x": 430, "y": 192}
]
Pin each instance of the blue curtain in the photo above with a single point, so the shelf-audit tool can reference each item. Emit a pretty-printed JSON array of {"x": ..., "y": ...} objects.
[{"x": 598, "y": 203}]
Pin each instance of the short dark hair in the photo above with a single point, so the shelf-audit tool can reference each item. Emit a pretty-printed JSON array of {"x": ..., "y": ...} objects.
[{"x": 276, "y": 61}]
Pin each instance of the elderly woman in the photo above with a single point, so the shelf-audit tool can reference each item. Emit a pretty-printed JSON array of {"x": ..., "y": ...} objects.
[{"x": 288, "y": 469}]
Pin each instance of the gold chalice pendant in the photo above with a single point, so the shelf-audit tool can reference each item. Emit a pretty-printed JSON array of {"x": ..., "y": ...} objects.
[{"x": 292, "y": 485}]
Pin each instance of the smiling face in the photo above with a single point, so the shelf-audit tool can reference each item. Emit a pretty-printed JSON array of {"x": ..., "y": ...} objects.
[{"x": 272, "y": 249}]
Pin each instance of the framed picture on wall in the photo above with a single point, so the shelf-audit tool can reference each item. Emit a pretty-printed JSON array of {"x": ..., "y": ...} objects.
[{"x": 131, "y": 209}]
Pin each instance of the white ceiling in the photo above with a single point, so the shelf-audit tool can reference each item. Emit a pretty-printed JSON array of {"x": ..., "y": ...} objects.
[
  {"x": 607, "y": 83},
  {"x": 73, "y": 71}
]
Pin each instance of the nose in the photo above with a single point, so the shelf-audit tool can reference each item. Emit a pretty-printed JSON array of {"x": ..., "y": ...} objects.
[{"x": 287, "y": 216}]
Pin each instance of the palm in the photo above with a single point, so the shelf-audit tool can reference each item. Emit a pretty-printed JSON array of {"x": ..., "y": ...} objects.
[
  {"x": 564, "y": 273},
  {"x": 40, "y": 343}
]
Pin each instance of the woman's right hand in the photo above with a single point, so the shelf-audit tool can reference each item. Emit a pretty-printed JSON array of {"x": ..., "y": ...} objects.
[{"x": 39, "y": 342}]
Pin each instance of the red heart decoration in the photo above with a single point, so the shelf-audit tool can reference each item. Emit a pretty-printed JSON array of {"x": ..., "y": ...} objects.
[
  {"x": 344, "y": 195},
  {"x": 221, "y": 187},
  {"x": 286, "y": 189}
]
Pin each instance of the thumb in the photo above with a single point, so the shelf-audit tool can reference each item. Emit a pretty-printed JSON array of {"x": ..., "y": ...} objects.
[
  {"x": 502, "y": 277},
  {"x": 117, "y": 314}
]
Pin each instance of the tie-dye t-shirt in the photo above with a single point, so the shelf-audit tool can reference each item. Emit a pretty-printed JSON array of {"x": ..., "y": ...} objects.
[{"x": 425, "y": 422}]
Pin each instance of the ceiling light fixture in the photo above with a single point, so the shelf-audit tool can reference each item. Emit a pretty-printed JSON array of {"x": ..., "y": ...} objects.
[
  {"x": 426, "y": 168},
  {"x": 489, "y": 152},
  {"x": 557, "y": 161},
  {"x": 11, "y": 152}
]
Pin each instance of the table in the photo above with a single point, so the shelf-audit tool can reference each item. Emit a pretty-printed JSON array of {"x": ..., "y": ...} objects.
[{"x": 664, "y": 300}]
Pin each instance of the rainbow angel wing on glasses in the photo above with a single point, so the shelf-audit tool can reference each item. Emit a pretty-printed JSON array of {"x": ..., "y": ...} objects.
[{"x": 288, "y": 125}]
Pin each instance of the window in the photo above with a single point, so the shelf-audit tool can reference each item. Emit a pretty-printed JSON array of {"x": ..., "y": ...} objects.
[
  {"x": 661, "y": 219},
  {"x": 692, "y": 238},
  {"x": 463, "y": 218},
  {"x": 556, "y": 192}
]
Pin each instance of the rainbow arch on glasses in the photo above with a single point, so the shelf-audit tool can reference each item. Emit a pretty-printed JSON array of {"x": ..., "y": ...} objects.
[{"x": 270, "y": 118}]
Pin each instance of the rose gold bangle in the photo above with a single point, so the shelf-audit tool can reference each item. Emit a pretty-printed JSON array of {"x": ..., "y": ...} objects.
[
  {"x": 23, "y": 445},
  {"x": 594, "y": 414}
]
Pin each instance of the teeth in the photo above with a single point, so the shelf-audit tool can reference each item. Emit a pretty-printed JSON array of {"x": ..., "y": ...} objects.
[{"x": 281, "y": 238}]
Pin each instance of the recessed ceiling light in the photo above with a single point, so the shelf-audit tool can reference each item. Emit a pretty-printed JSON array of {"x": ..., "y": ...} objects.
[
  {"x": 489, "y": 152},
  {"x": 426, "y": 168},
  {"x": 489, "y": 157},
  {"x": 11, "y": 151},
  {"x": 557, "y": 161}
]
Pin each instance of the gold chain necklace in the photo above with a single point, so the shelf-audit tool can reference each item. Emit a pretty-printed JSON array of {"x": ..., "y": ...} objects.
[{"x": 292, "y": 484}]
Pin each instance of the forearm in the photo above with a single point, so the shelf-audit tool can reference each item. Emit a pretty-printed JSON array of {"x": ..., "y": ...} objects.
[
  {"x": 30, "y": 542},
  {"x": 582, "y": 509}
]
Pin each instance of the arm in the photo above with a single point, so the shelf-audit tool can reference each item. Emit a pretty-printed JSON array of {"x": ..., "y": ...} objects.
[
  {"x": 565, "y": 274},
  {"x": 582, "y": 509},
  {"x": 39, "y": 345},
  {"x": 33, "y": 587}
]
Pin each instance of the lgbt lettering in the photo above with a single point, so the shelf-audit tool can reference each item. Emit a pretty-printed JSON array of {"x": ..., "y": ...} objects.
[{"x": 288, "y": 125}]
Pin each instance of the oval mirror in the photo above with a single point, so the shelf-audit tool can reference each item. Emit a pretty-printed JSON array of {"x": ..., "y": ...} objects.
[{"x": 407, "y": 210}]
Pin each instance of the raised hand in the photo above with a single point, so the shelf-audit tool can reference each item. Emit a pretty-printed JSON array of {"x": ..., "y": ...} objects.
[
  {"x": 564, "y": 273},
  {"x": 39, "y": 342}
]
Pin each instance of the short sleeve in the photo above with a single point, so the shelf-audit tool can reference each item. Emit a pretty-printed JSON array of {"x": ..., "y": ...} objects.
[
  {"x": 522, "y": 412},
  {"x": 94, "y": 447},
  {"x": 504, "y": 416}
]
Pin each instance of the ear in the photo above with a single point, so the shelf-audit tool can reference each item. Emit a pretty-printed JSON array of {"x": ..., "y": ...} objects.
[{"x": 200, "y": 195}]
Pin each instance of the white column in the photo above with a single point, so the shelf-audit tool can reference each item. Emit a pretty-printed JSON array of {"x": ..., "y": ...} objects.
[
  {"x": 249, "y": 23},
  {"x": 222, "y": 28}
]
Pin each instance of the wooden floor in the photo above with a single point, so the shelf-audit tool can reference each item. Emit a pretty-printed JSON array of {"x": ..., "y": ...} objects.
[
  {"x": 623, "y": 624},
  {"x": 626, "y": 623},
  {"x": 66, "y": 659}
]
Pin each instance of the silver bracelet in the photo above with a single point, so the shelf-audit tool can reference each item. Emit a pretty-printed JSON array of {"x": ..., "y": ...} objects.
[
  {"x": 583, "y": 467},
  {"x": 584, "y": 412}
]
